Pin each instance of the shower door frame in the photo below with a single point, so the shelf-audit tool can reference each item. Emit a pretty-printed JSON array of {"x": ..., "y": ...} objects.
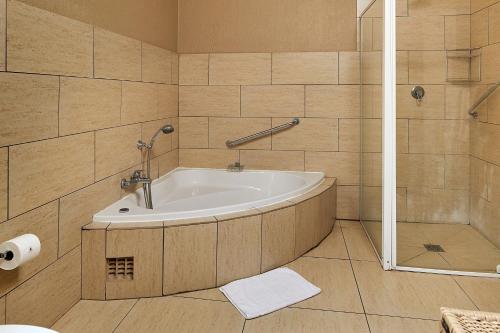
[{"x": 389, "y": 198}]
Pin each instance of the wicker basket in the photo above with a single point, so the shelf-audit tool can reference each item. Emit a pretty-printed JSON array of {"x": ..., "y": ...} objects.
[{"x": 464, "y": 321}]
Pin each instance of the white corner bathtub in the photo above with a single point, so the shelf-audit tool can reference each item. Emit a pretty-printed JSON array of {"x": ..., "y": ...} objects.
[{"x": 196, "y": 193}]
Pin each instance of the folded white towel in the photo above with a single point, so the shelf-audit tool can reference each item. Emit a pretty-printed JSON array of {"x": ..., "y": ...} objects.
[{"x": 262, "y": 294}]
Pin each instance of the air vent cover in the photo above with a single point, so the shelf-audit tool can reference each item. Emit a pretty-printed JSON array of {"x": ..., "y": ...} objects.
[{"x": 120, "y": 268}]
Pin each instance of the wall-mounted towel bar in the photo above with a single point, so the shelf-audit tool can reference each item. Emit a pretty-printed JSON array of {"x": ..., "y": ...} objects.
[
  {"x": 472, "y": 110},
  {"x": 240, "y": 141}
]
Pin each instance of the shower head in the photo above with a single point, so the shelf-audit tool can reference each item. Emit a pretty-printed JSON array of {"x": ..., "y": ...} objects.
[{"x": 167, "y": 129}]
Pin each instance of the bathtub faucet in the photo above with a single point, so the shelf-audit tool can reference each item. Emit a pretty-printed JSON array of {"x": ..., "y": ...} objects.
[
  {"x": 138, "y": 176},
  {"x": 235, "y": 167}
]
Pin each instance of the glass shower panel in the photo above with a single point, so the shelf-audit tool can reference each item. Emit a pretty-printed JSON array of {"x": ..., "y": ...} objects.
[
  {"x": 446, "y": 165},
  {"x": 371, "y": 46}
]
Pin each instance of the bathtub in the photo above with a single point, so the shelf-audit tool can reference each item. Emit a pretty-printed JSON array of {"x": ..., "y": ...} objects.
[{"x": 187, "y": 193}]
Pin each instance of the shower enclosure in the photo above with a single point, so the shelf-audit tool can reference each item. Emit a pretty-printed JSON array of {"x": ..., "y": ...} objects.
[{"x": 430, "y": 134}]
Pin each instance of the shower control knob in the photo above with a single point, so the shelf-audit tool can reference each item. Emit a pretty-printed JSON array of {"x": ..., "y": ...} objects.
[{"x": 418, "y": 93}]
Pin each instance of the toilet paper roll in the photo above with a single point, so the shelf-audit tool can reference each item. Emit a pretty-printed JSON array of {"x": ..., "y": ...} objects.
[{"x": 24, "y": 248}]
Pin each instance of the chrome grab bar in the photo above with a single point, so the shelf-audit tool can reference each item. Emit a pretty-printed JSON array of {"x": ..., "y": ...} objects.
[
  {"x": 481, "y": 99},
  {"x": 279, "y": 128}
]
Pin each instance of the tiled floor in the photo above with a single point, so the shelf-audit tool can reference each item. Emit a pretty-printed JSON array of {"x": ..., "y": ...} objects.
[
  {"x": 465, "y": 248},
  {"x": 357, "y": 296}
]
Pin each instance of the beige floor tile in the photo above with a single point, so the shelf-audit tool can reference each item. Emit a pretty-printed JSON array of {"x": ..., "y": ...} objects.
[
  {"x": 335, "y": 278},
  {"x": 383, "y": 324},
  {"x": 483, "y": 292},
  {"x": 333, "y": 246},
  {"x": 208, "y": 294},
  {"x": 301, "y": 320},
  {"x": 357, "y": 242},
  {"x": 176, "y": 314},
  {"x": 426, "y": 260},
  {"x": 407, "y": 294},
  {"x": 94, "y": 316}
]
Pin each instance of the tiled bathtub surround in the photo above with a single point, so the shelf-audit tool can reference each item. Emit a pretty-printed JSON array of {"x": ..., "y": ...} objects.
[
  {"x": 224, "y": 96},
  {"x": 74, "y": 99},
  {"x": 206, "y": 252}
]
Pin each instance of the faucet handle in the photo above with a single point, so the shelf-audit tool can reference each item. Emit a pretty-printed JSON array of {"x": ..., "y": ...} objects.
[
  {"x": 141, "y": 145},
  {"x": 138, "y": 174}
]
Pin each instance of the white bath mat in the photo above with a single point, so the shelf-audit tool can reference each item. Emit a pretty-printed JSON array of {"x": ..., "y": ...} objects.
[{"x": 262, "y": 294}]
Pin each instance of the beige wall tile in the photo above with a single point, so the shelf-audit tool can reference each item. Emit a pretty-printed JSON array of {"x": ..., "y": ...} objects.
[
  {"x": 2, "y": 310},
  {"x": 490, "y": 66},
  {"x": 458, "y": 101},
  {"x": 430, "y": 30},
  {"x": 421, "y": 170},
  {"x": 67, "y": 161},
  {"x": 480, "y": 4},
  {"x": 146, "y": 246},
  {"x": 431, "y": 107},
  {"x": 272, "y": 160},
  {"x": 479, "y": 28},
  {"x": 349, "y": 68},
  {"x": 78, "y": 208},
  {"x": 3, "y": 38},
  {"x": 278, "y": 238},
  {"x": 193, "y": 69},
  {"x": 458, "y": 31},
  {"x": 87, "y": 104},
  {"x": 272, "y": 101},
  {"x": 193, "y": 132},
  {"x": 42, "y": 42},
  {"x": 156, "y": 64},
  {"x": 47, "y": 296},
  {"x": 116, "y": 56},
  {"x": 371, "y": 67},
  {"x": 175, "y": 135},
  {"x": 308, "y": 215},
  {"x": 438, "y": 206},
  {"x": 189, "y": 259},
  {"x": 168, "y": 101},
  {"x": 88, "y": 316},
  {"x": 168, "y": 162},
  {"x": 209, "y": 101},
  {"x": 366, "y": 34},
  {"x": 402, "y": 67},
  {"x": 371, "y": 101},
  {"x": 116, "y": 150},
  {"x": 94, "y": 270},
  {"x": 305, "y": 68},
  {"x": 494, "y": 184},
  {"x": 484, "y": 141},
  {"x": 371, "y": 165},
  {"x": 378, "y": 34},
  {"x": 175, "y": 68},
  {"x": 433, "y": 7},
  {"x": 239, "y": 68},
  {"x": 28, "y": 107},
  {"x": 4, "y": 172},
  {"x": 311, "y": 134},
  {"x": 163, "y": 142},
  {"x": 341, "y": 165},
  {"x": 348, "y": 202},
  {"x": 494, "y": 24},
  {"x": 139, "y": 102},
  {"x": 493, "y": 110},
  {"x": 238, "y": 248},
  {"x": 484, "y": 216},
  {"x": 479, "y": 177},
  {"x": 372, "y": 135},
  {"x": 427, "y": 67},
  {"x": 439, "y": 136},
  {"x": 332, "y": 101},
  {"x": 457, "y": 172},
  {"x": 349, "y": 135},
  {"x": 207, "y": 158},
  {"x": 223, "y": 129},
  {"x": 41, "y": 222}
]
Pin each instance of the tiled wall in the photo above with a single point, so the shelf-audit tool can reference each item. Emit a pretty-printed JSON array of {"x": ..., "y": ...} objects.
[
  {"x": 74, "y": 99},
  {"x": 224, "y": 96},
  {"x": 433, "y": 136},
  {"x": 485, "y": 132}
]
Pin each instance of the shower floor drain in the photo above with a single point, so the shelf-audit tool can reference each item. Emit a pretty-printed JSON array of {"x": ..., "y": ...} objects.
[{"x": 433, "y": 248}]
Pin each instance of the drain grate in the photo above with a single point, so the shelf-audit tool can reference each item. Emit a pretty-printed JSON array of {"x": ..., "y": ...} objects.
[{"x": 434, "y": 248}]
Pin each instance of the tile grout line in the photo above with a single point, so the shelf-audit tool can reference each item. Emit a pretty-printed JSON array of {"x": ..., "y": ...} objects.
[
  {"x": 466, "y": 294},
  {"x": 126, "y": 315}
]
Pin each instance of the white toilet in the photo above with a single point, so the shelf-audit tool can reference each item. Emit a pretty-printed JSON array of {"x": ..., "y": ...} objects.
[{"x": 24, "y": 329}]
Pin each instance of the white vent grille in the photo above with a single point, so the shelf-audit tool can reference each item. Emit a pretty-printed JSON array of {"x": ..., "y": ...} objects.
[{"x": 120, "y": 268}]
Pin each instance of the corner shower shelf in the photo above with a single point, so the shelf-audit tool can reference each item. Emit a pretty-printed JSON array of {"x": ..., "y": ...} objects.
[{"x": 467, "y": 62}]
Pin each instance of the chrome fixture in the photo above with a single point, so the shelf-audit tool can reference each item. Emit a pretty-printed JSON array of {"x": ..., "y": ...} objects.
[
  {"x": 418, "y": 93},
  {"x": 472, "y": 110},
  {"x": 138, "y": 177},
  {"x": 258, "y": 135},
  {"x": 235, "y": 167}
]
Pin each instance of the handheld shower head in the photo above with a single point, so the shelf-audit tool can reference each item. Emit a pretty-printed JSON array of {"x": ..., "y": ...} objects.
[{"x": 167, "y": 129}]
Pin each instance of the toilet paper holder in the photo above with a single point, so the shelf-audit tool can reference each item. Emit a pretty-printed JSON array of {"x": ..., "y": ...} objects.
[{"x": 7, "y": 255}]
